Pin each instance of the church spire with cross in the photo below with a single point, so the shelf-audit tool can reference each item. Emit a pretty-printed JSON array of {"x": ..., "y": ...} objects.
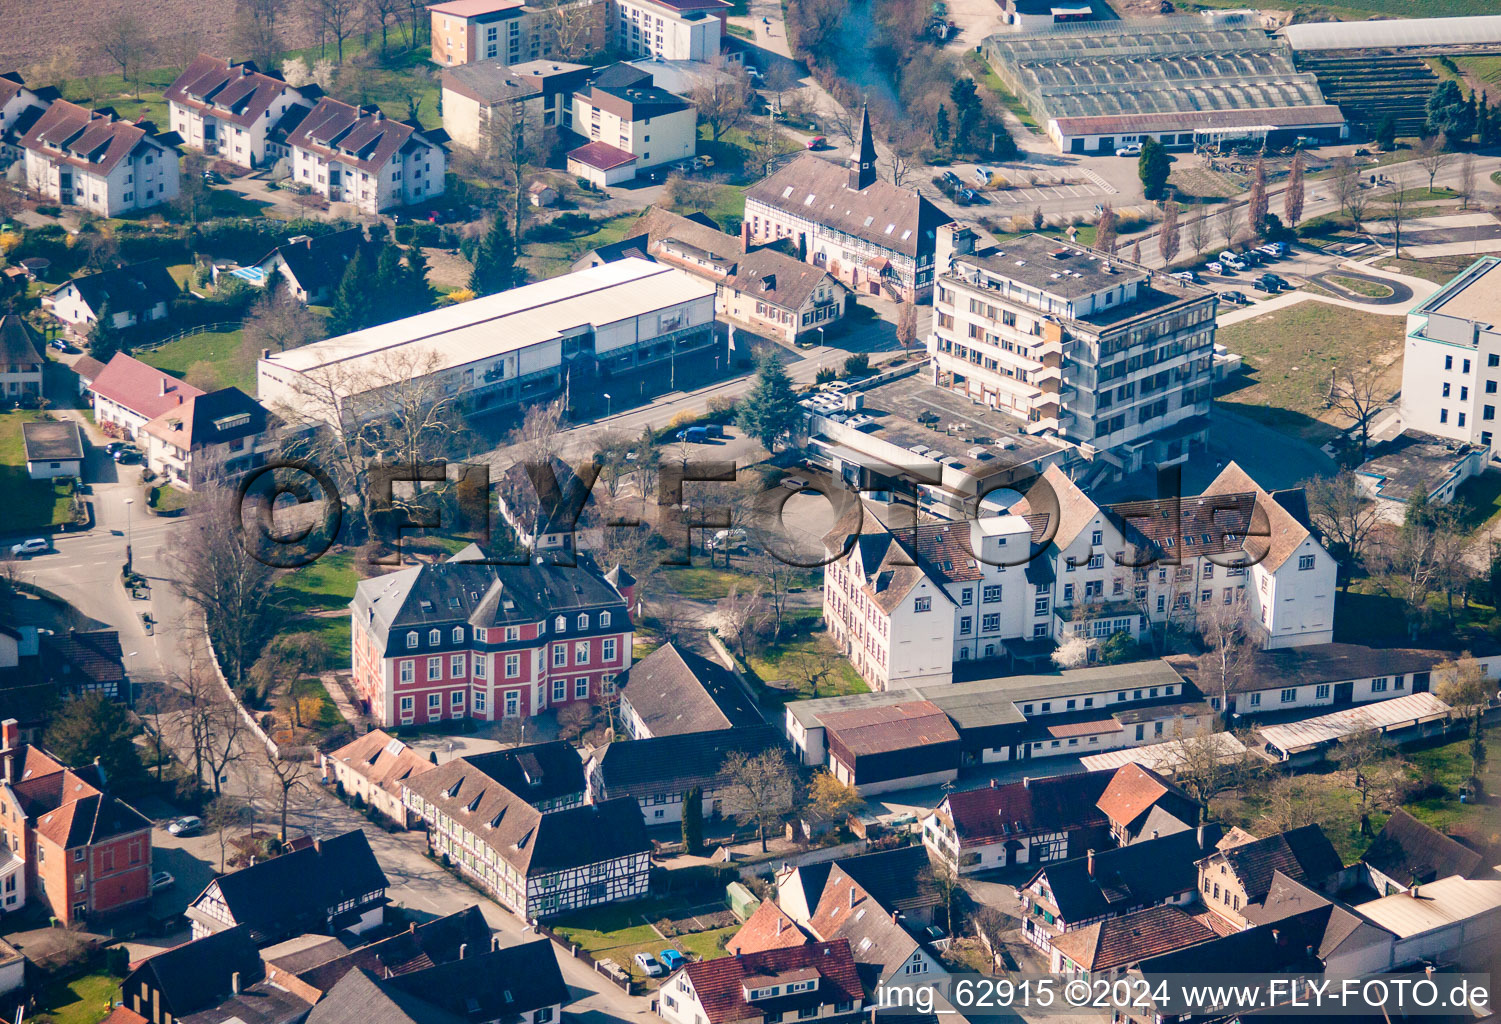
[{"x": 863, "y": 159}]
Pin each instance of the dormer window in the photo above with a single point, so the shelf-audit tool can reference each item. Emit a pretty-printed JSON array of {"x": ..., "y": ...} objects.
[
  {"x": 458, "y": 634},
  {"x": 604, "y": 620},
  {"x": 435, "y": 637},
  {"x": 561, "y": 623},
  {"x": 411, "y": 639},
  {"x": 584, "y": 621}
]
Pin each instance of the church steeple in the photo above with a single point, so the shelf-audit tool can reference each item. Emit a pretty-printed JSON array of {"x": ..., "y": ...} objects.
[{"x": 863, "y": 160}]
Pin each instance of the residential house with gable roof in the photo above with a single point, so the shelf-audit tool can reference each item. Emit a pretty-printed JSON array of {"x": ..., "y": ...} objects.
[
  {"x": 65, "y": 842},
  {"x": 673, "y": 690},
  {"x": 549, "y": 776},
  {"x": 329, "y": 886},
  {"x": 1408, "y": 852},
  {"x": 20, "y": 357},
  {"x": 1108, "y": 883},
  {"x": 234, "y": 111},
  {"x": 1349, "y": 945},
  {"x": 466, "y": 638},
  {"x": 872, "y": 235},
  {"x": 818, "y": 981},
  {"x": 95, "y": 161},
  {"x": 309, "y": 268},
  {"x": 373, "y": 768},
  {"x": 128, "y": 394},
  {"x": 657, "y": 773},
  {"x": 360, "y": 156},
  {"x": 1033, "y": 821},
  {"x": 20, "y": 107},
  {"x": 1234, "y": 880},
  {"x": 769, "y": 927},
  {"x": 534, "y": 863},
  {"x": 137, "y": 294},
  {"x": 1143, "y": 805},
  {"x": 1107, "y": 948},
  {"x": 209, "y": 438},
  {"x": 195, "y": 976},
  {"x": 756, "y": 285}
]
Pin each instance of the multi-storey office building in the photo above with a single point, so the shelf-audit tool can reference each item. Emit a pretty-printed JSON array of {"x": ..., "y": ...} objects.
[
  {"x": 464, "y": 639},
  {"x": 1451, "y": 370},
  {"x": 1074, "y": 343}
]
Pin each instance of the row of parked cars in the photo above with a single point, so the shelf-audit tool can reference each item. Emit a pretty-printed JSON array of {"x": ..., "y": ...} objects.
[{"x": 1229, "y": 263}]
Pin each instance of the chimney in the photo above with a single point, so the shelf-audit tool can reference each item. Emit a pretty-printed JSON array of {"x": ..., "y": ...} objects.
[
  {"x": 779, "y": 926},
  {"x": 1276, "y": 936},
  {"x": 1155, "y": 833},
  {"x": 163, "y": 385},
  {"x": 10, "y": 739},
  {"x": 1089, "y": 862},
  {"x": 1200, "y": 836},
  {"x": 234, "y": 983},
  {"x": 463, "y": 948},
  {"x": 265, "y": 353},
  {"x": 1308, "y": 952},
  {"x": 893, "y": 917},
  {"x": 1026, "y": 782},
  {"x": 412, "y": 927},
  {"x": 994, "y": 783},
  {"x": 745, "y": 237}
]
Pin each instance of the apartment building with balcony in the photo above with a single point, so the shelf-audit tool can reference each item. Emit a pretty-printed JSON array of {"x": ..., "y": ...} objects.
[
  {"x": 1076, "y": 343},
  {"x": 95, "y": 161},
  {"x": 20, "y": 106},
  {"x": 234, "y": 112},
  {"x": 1451, "y": 368},
  {"x": 465, "y": 31},
  {"x": 669, "y": 29},
  {"x": 358, "y": 155},
  {"x": 630, "y": 125}
]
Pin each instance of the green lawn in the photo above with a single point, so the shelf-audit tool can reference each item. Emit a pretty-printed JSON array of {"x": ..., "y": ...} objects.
[
  {"x": 1480, "y": 498},
  {"x": 776, "y": 662},
  {"x": 29, "y": 504},
  {"x": 1487, "y": 69},
  {"x": 1286, "y": 380},
  {"x": 1447, "y": 767},
  {"x": 1438, "y": 269},
  {"x": 1335, "y": 803},
  {"x": 985, "y": 75},
  {"x": 224, "y": 352},
  {"x": 326, "y": 587},
  {"x": 703, "y": 583},
  {"x": 1360, "y": 286},
  {"x": 226, "y": 203},
  {"x": 166, "y": 498},
  {"x": 84, "y": 1000},
  {"x": 549, "y": 259},
  {"x": 618, "y": 931}
]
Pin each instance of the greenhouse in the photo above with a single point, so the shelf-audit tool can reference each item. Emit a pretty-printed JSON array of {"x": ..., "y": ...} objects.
[
  {"x": 1405, "y": 34},
  {"x": 1137, "y": 76}
]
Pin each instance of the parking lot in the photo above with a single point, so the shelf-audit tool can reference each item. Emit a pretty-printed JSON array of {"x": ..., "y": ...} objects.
[{"x": 1047, "y": 193}]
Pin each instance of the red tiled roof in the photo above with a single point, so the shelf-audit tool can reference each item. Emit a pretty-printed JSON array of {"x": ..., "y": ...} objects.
[
  {"x": 1131, "y": 793},
  {"x": 236, "y": 93},
  {"x": 893, "y": 727},
  {"x": 373, "y": 756},
  {"x": 361, "y": 137},
  {"x": 720, "y": 984},
  {"x": 91, "y": 141},
  {"x": 601, "y": 156},
  {"x": 142, "y": 389},
  {"x": 768, "y": 928},
  {"x": 1090, "y": 728},
  {"x": 1021, "y": 808},
  {"x": 123, "y": 1015},
  {"x": 1123, "y": 941}
]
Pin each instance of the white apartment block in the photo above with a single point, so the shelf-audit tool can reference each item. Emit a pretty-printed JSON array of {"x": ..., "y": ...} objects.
[
  {"x": 668, "y": 29},
  {"x": 232, "y": 112},
  {"x": 623, "y": 110},
  {"x": 358, "y": 155},
  {"x": 19, "y": 109},
  {"x": 905, "y": 604},
  {"x": 1077, "y": 344},
  {"x": 1451, "y": 370},
  {"x": 80, "y": 157}
]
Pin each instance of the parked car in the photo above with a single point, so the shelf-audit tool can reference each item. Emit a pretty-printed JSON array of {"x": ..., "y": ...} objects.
[
  {"x": 1233, "y": 261},
  {"x": 672, "y": 959},
  {"x": 952, "y": 178},
  {"x": 113, "y": 447},
  {"x": 189, "y": 825},
  {"x": 1268, "y": 283},
  {"x": 966, "y": 197},
  {"x": 60, "y": 345},
  {"x": 1130, "y": 149},
  {"x": 215, "y": 178},
  {"x": 1278, "y": 280},
  {"x": 732, "y": 539},
  {"x": 715, "y": 429},
  {"x": 706, "y": 161},
  {"x": 162, "y": 880},
  {"x": 753, "y": 73},
  {"x": 1216, "y": 268},
  {"x": 693, "y": 435},
  {"x": 648, "y": 963},
  {"x": 1187, "y": 275},
  {"x": 817, "y": 142},
  {"x": 982, "y": 175},
  {"x": 1235, "y": 297},
  {"x": 127, "y": 456},
  {"x": 794, "y": 483},
  {"x": 1274, "y": 250},
  {"x": 34, "y": 546}
]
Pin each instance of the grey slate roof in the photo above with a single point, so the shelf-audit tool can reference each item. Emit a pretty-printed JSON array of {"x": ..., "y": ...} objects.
[
  {"x": 132, "y": 289},
  {"x": 1128, "y": 877},
  {"x": 319, "y": 262},
  {"x": 536, "y": 772},
  {"x": 1303, "y": 854},
  {"x": 491, "y": 986},
  {"x": 198, "y": 974},
  {"x": 678, "y": 691},
  {"x": 360, "y": 997},
  {"x": 1408, "y": 850},
  {"x": 677, "y": 763}
]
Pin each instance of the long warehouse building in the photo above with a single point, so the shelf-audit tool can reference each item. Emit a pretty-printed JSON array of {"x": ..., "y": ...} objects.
[{"x": 580, "y": 332}]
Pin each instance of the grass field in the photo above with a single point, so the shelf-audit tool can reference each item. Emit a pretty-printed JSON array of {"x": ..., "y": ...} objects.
[
  {"x": 1480, "y": 497},
  {"x": 1487, "y": 69},
  {"x": 1360, "y": 286},
  {"x": 618, "y": 931},
  {"x": 84, "y": 1000},
  {"x": 1362, "y": 10},
  {"x": 1286, "y": 380},
  {"x": 231, "y": 364},
  {"x": 776, "y": 663},
  {"x": 1438, "y": 269},
  {"x": 986, "y": 76},
  {"x": 327, "y": 587},
  {"x": 29, "y": 504},
  {"x": 549, "y": 259}
]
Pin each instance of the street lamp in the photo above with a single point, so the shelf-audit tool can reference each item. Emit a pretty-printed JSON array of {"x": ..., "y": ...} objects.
[
  {"x": 607, "y": 404},
  {"x": 820, "y": 337},
  {"x": 128, "y": 565}
]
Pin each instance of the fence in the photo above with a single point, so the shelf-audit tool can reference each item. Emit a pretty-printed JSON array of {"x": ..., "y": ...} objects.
[
  {"x": 224, "y": 327},
  {"x": 245, "y": 713},
  {"x": 617, "y": 977}
]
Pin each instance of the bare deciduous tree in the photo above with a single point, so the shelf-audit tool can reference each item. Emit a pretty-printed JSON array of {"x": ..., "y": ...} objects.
[
  {"x": 1433, "y": 158},
  {"x": 288, "y": 775},
  {"x": 223, "y": 729},
  {"x": 1394, "y": 199},
  {"x": 338, "y": 20},
  {"x": 279, "y": 322},
  {"x": 761, "y": 790},
  {"x": 1358, "y": 204},
  {"x": 1198, "y": 234},
  {"x": 255, "y": 29},
  {"x": 512, "y": 141},
  {"x": 1167, "y": 236},
  {"x": 380, "y": 13},
  {"x": 1345, "y": 182},
  {"x": 1345, "y": 514},
  {"x": 1355, "y": 392},
  {"x": 577, "y": 28},
  {"x": 741, "y": 618},
  {"x": 1231, "y": 641},
  {"x": 1465, "y": 185},
  {"x": 721, "y": 96},
  {"x": 127, "y": 43},
  {"x": 1228, "y": 216}
]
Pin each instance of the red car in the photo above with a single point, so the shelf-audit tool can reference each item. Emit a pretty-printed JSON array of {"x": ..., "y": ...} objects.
[{"x": 817, "y": 142}]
